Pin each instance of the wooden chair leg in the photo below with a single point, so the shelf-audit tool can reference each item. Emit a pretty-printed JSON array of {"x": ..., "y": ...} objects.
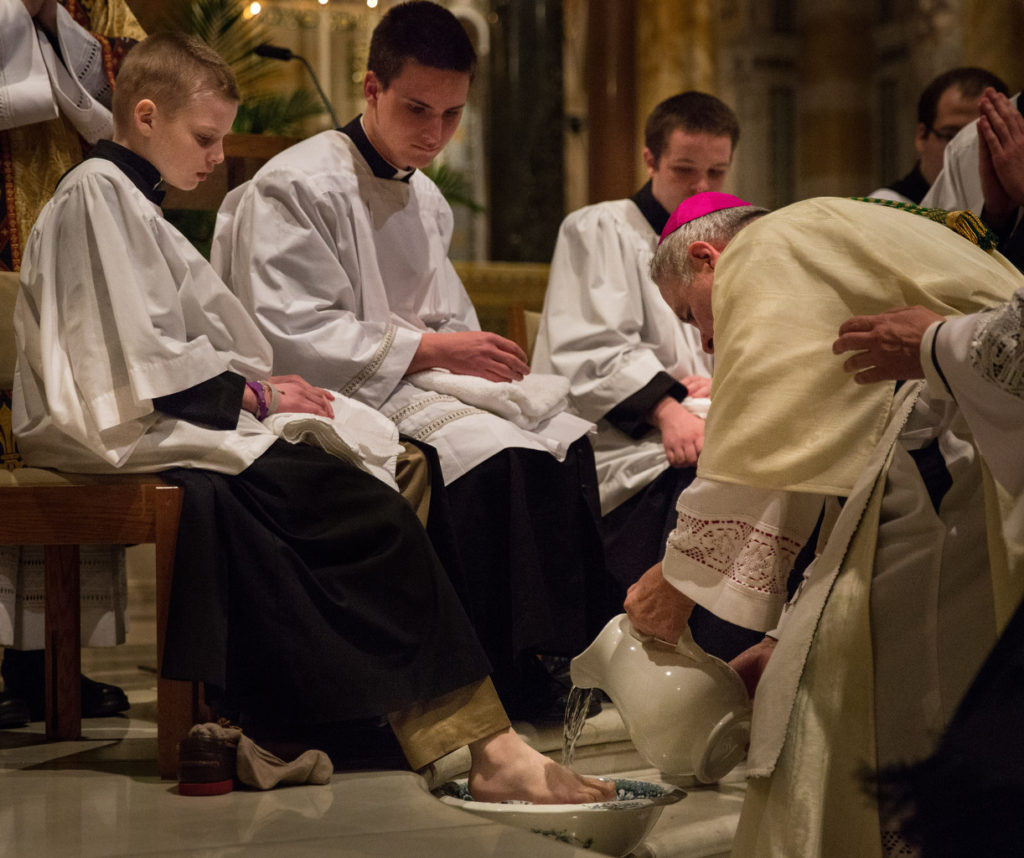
[
  {"x": 176, "y": 702},
  {"x": 63, "y": 642}
]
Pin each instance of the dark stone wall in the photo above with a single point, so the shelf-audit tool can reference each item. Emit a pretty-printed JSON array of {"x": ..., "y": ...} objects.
[{"x": 525, "y": 130}]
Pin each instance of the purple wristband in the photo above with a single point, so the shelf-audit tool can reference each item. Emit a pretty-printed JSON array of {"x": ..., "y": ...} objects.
[{"x": 261, "y": 398}]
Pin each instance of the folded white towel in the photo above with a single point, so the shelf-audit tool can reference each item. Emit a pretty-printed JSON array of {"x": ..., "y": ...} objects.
[
  {"x": 527, "y": 403},
  {"x": 698, "y": 405},
  {"x": 357, "y": 434}
]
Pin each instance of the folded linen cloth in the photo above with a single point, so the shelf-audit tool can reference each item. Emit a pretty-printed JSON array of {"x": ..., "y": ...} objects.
[
  {"x": 357, "y": 433},
  {"x": 527, "y": 403}
]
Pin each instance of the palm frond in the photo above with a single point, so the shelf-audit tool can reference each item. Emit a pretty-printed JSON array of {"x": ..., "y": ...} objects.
[
  {"x": 453, "y": 185},
  {"x": 223, "y": 26},
  {"x": 274, "y": 113}
]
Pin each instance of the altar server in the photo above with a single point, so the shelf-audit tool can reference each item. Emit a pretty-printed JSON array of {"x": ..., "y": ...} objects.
[
  {"x": 304, "y": 587},
  {"x": 338, "y": 246},
  {"x": 632, "y": 366}
]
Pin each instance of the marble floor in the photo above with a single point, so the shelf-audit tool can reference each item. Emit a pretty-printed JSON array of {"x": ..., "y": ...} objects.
[{"x": 100, "y": 795}]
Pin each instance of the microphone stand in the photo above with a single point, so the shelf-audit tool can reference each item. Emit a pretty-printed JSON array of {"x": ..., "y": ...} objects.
[{"x": 273, "y": 52}]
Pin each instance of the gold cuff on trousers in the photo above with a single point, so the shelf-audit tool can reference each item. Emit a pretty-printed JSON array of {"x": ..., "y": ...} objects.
[{"x": 429, "y": 730}]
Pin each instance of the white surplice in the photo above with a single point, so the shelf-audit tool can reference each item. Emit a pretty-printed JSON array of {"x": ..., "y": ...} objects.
[
  {"x": 607, "y": 329},
  {"x": 979, "y": 359},
  {"x": 958, "y": 185},
  {"x": 141, "y": 315},
  {"x": 145, "y": 318},
  {"x": 344, "y": 272}
]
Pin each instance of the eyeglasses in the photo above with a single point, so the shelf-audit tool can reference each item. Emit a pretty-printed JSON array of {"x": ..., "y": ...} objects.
[{"x": 945, "y": 133}]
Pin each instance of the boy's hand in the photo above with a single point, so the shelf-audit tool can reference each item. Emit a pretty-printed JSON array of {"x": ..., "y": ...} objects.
[
  {"x": 682, "y": 433},
  {"x": 697, "y": 386},
  {"x": 478, "y": 353},
  {"x": 298, "y": 395}
]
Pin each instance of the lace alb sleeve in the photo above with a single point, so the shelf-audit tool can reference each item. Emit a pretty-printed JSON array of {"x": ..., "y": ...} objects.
[
  {"x": 733, "y": 548},
  {"x": 997, "y": 347}
]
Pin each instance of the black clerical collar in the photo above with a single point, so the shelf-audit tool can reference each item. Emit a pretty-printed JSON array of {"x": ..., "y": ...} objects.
[
  {"x": 381, "y": 167},
  {"x": 650, "y": 208},
  {"x": 913, "y": 185},
  {"x": 144, "y": 175}
]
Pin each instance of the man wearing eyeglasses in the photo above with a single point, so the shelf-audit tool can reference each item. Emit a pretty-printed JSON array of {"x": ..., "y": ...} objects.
[{"x": 948, "y": 104}]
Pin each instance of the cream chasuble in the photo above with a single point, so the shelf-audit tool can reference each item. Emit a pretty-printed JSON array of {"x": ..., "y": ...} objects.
[{"x": 786, "y": 420}]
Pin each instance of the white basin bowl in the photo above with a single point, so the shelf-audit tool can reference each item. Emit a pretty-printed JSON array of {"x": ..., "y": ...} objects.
[{"x": 610, "y": 827}]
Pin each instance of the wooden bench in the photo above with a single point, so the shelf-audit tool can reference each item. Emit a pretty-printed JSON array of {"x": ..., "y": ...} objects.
[{"x": 60, "y": 512}]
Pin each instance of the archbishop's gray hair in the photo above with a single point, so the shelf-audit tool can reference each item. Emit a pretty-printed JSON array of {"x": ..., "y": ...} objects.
[{"x": 672, "y": 258}]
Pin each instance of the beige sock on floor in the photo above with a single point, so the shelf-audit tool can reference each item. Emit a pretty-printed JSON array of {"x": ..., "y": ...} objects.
[{"x": 258, "y": 768}]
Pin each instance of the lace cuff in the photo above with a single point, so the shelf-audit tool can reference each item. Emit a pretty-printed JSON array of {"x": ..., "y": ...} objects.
[
  {"x": 995, "y": 352},
  {"x": 733, "y": 547}
]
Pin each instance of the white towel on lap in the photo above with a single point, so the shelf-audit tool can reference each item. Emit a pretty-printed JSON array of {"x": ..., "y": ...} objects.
[
  {"x": 357, "y": 434},
  {"x": 698, "y": 405},
  {"x": 527, "y": 403}
]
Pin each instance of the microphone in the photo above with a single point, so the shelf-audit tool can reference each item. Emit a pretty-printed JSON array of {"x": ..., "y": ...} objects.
[
  {"x": 275, "y": 52},
  {"x": 272, "y": 52}
]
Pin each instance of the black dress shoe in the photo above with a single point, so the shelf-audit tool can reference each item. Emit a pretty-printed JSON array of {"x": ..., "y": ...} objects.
[
  {"x": 24, "y": 674},
  {"x": 100, "y": 698},
  {"x": 13, "y": 711}
]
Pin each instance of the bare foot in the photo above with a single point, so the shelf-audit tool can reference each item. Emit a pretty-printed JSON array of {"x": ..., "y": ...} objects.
[{"x": 504, "y": 767}]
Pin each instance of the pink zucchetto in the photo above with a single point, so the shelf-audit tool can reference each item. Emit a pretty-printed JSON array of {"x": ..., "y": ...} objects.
[{"x": 697, "y": 206}]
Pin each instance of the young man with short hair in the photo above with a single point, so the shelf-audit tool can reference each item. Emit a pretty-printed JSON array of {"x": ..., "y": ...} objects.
[
  {"x": 338, "y": 247},
  {"x": 633, "y": 368}
]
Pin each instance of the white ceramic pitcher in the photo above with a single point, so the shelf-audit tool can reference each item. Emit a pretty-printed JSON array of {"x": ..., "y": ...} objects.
[{"x": 687, "y": 712}]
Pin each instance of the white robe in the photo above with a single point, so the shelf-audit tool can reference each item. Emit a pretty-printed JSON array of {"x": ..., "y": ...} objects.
[
  {"x": 83, "y": 402},
  {"x": 875, "y": 650},
  {"x": 607, "y": 329},
  {"x": 958, "y": 185},
  {"x": 144, "y": 316},
  {"x": 134, "y": 313},
  {"x": 344, "y": 272}
]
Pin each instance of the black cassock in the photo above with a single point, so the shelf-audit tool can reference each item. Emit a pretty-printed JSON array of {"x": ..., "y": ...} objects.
[{"x": 305, "y": 588}]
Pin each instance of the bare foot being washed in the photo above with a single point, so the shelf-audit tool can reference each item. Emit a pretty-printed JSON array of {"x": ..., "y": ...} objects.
[{"x": 504, "y": 768}]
